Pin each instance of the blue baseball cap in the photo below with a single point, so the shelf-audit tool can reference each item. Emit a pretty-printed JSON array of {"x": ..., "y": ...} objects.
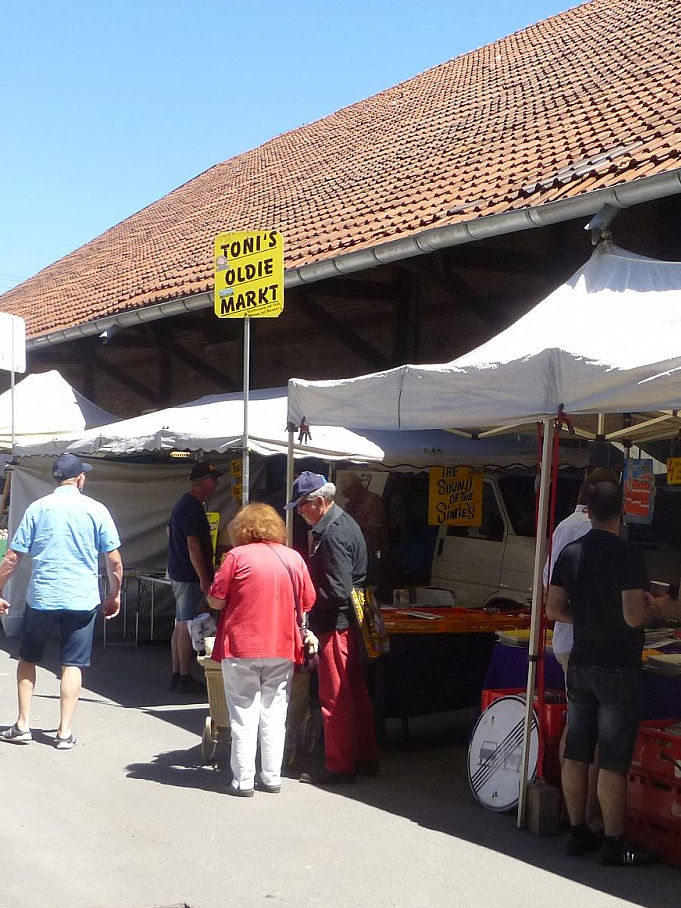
[
  {"x": 67, "y": 466},
  {"x": 305, "y": 485}
]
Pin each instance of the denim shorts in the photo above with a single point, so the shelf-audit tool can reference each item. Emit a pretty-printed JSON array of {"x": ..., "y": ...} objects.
[
  {"x": 75, "y": 634},
  {"x": 189, "y": 600},
  {"x": 604, "y": 708}
]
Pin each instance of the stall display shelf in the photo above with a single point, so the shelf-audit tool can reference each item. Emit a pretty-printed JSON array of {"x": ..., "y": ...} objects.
[{"x": 449, "y": 621}]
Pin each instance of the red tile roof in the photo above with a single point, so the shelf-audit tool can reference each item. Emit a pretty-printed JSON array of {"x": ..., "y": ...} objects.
[{"x": 587, "y": 99}]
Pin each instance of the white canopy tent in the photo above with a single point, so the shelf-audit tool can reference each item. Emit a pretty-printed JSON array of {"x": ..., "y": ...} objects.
[
  {"x": 46, "y": 408},
  {"x": 608, "y": 341},
  {"x": 214, "y": 424}
]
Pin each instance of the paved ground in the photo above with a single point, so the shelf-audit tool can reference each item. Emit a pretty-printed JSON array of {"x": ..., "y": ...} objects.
[{"x": 131, "y": 818}]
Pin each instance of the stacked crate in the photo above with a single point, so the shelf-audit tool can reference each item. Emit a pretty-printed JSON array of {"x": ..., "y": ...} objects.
[
  {"x": 554, "y": 712},
  {"x": 653, "y": 814}
]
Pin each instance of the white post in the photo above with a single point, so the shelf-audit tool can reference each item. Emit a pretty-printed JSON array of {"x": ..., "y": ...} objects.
[
  {"x": 289, "y": 485},
  {"x": 535, "y": 624},
  {"x": 245, "y": 478}
]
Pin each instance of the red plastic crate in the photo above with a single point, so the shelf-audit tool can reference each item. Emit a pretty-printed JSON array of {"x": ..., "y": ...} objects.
[
  {"x": 657, "y": 834},
  {"x": 555, "y": 713},
  {"x": 656, "y": 753},
  {"x": 659, "y": 798},
  {"x": 554, "y": 721}
]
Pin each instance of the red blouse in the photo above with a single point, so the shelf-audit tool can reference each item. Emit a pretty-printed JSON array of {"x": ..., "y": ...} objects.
[{"x": 259, "y": 620}]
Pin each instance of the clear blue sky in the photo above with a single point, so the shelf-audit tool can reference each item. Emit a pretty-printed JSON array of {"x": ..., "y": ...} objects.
[{"x": 107, "y": 106}]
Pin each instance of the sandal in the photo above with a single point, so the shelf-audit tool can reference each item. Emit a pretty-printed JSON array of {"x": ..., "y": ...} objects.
[
  {"x": 64, "y": 743},
  {"x": 16, "y": 736}
]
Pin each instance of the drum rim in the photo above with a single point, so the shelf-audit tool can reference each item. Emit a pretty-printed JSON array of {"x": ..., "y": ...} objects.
[{"x": 534, "y": 728}]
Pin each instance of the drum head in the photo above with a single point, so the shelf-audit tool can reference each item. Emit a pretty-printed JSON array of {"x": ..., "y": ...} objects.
[{"x": 495, "y": 753}]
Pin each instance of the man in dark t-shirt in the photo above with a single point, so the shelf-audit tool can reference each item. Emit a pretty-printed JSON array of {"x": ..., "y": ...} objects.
[
  {"x": 598, "y": 585},
  {"x": 190, "y": 568}
]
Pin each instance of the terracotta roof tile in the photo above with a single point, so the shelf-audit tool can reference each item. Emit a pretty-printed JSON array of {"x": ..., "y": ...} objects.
[{"x": 585, "y": 100}]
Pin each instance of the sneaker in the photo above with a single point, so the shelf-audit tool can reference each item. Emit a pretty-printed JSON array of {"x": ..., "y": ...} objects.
[
  {"x": 174, "y": 678},
  {"x": 16, "y": 736},
  {"x": 64, "y": 743},
  {"x": 582, "y": 839},
  {"x": 626, "y": 855},
  {"x": 237, "y": 792},
  {"x": 326, "y": 777},
  {"x": 269, "y": 789}
]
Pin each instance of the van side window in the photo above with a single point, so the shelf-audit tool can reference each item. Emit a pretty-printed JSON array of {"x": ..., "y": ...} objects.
[{"x": 491, "y": 528}]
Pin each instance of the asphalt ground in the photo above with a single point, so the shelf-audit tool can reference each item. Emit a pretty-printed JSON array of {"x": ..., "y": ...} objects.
[{"x": 130, "y": 817}]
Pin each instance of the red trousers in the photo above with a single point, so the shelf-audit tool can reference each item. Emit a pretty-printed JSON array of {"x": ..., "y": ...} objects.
[{"x": 349, "y": 731}]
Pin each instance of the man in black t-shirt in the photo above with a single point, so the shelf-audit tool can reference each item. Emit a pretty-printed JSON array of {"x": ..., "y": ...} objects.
[
  {"x": 190, "y": 568},
  {"x": 598, "y": 584}
]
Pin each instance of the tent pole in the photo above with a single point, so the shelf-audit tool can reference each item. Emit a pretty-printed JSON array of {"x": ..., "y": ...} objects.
[
  {"x": 245, "y": 479},
  {"x": 535, "y": 624},
  {"x": 289, "y": 484}
]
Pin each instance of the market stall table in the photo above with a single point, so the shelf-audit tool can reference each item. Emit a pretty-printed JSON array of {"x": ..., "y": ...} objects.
[
  {"x": 437, "y": 660},
  {"x": 507, "y": 668}
]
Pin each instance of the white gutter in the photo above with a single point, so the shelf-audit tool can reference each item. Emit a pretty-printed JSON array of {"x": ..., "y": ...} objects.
[{"x": 646, "y": 189}]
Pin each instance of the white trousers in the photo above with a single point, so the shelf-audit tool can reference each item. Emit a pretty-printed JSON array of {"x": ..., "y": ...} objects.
[{"x": 257, "y": 693}]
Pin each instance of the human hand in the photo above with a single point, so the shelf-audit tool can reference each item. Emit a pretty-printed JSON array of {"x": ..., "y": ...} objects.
[
  {"x": 111, "y": 607},
  {"x": 310, "y": 642},
  {"x": 4, "y": 606}
]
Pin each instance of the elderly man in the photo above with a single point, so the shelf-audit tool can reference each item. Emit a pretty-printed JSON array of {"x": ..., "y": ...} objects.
[
  {"x": 64, "y": 533},
  {"x": 338, "y": 562}
]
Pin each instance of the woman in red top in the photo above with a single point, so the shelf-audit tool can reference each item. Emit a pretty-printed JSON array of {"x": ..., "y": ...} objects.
[{"x": 257, "y": 640}]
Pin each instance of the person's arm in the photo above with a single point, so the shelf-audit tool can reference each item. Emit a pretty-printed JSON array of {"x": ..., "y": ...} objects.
[
  {"x": 114, "y": 573},
  {"x": 558, "y": 605},
  {"x": 198, "y": 563},
  {"x": 8, "y": 566}
]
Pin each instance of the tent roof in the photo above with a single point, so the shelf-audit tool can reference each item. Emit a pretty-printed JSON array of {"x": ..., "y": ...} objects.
[
  {"x": 46, "y": 409},
  {"x": 215, "y": 424},
  {"x": 607, "y": 341}
]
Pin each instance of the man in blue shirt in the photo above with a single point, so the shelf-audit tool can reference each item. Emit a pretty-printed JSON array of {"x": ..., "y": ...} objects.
[{"x": 64, "y": 533}]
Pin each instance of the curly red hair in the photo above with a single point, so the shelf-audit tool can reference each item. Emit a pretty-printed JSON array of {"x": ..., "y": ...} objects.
[{"x": 257, "y": 523}]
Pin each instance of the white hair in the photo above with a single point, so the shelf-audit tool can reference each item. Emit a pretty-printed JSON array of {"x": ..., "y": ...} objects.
[{"x": 327, "y": 492}]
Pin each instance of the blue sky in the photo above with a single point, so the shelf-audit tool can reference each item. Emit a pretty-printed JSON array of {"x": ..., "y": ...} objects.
[{"x": 106, "y": 107}]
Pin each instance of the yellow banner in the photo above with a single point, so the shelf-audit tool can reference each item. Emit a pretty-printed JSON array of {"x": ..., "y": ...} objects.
[
  {"x": 249, "y": 274},
  {"x": 674, "y": 471},
  {"x": 454, "y": 497},
  {"x": 214, "y": 524}
]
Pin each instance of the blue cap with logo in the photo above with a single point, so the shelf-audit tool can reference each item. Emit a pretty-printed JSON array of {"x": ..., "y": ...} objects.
[
  {"x": 67, "y": 466},
  {"x": 305, "y": 485}
]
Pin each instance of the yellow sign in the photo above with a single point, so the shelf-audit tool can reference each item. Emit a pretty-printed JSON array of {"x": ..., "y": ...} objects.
[
  {"x": 674, "y": 471},
  {"x": 214, "y": 524},
  {"x": 454, "y": 497},
  {"x": 237, "y": 469},
  {"x": 249, "y": 274}
]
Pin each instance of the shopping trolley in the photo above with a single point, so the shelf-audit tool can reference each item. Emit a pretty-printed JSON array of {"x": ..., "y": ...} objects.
[{"x": 303, "y": 723}]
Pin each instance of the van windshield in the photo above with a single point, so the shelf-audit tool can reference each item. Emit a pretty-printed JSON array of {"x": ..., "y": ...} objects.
[{"x": 518, "y": 493}]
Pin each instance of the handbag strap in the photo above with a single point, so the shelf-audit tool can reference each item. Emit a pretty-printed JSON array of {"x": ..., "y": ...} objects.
[{"x": 296, "y": 597}]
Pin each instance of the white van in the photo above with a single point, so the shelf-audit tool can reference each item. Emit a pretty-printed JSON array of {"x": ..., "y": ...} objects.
[{"x": 491, "y": 566}]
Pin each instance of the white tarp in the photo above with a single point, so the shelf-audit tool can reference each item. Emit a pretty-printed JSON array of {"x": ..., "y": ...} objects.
[
  {"x": 46, "y": 408},
  {"x": 140, "y": 498},
  {"x": 215, "y": 423},
  {"x": 606, "y": 341}
]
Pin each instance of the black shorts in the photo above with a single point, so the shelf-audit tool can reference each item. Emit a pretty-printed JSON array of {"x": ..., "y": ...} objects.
[
  {"x": 604, "y": 708},
  {"x": 75, "y": 631}
]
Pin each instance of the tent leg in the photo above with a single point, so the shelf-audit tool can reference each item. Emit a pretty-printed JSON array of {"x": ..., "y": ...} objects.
[
  {"x": 289, "y": 485},
  {"x": 535, "y": 624}
]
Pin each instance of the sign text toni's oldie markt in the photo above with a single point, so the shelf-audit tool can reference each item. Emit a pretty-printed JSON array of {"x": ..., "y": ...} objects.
[{"x": 249, "y": 274}]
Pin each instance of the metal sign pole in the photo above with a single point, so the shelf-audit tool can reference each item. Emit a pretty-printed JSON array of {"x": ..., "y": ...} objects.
[
  {"x": 245, "y": 480},
  {"x": 12, "y": 386}
]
